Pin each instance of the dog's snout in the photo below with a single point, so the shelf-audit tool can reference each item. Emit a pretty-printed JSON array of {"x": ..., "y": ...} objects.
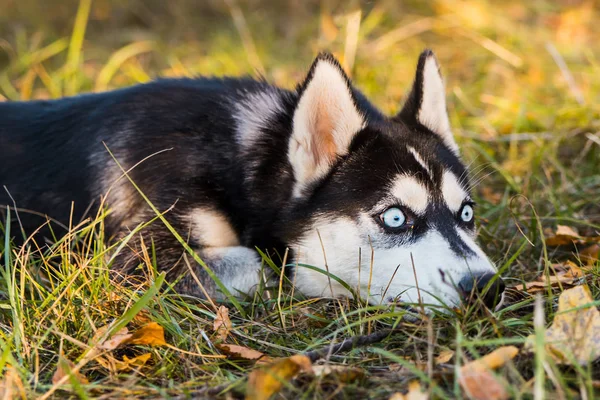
[{"x": 472, "y": 287}]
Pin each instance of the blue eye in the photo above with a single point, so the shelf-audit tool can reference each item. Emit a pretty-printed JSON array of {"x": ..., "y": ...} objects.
[
  {"x": 393, "y": 217},
  {"x": 466, "y": 214}
]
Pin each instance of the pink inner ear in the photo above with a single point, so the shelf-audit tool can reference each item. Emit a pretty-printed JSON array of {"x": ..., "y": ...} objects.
[{"x": 323, "y": 143}]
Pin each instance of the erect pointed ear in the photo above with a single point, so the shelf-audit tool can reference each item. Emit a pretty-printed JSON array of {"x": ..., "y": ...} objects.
[
  {"x": 324, "y": 123},
  {"x": 426, "y": 103}
]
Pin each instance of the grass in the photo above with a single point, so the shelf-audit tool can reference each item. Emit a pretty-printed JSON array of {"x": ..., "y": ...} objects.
[{"x": 522, "y": 91}]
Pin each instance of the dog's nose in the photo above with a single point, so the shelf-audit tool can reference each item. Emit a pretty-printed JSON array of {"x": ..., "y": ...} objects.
[{"x": 472, "y": 287}]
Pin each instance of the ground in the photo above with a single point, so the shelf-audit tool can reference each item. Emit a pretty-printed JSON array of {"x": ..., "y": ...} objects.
[{"x": 523, "y": 91}]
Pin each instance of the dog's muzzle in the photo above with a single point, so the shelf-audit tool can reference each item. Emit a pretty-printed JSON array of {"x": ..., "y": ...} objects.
[{"x": 473, "y": 288}]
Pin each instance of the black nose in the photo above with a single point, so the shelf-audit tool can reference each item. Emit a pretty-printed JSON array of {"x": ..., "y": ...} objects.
[{"x": 472, "y": 288}]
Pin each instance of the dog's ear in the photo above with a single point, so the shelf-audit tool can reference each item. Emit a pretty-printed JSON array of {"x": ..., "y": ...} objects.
[
  {"x": 426, "y": 103},
  {"x": 324, "y": 123}
]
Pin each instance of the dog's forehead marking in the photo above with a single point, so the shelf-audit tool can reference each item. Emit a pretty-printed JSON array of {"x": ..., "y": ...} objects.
[
  {"x": 420, "y": 160},
  {"x": 411, "y": 193},
  {"x": 211, "y": 229},
  {"x": 452, "y": 191}
]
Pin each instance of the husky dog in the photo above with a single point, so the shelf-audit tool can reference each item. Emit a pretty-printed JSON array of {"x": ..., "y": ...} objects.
[{"x": 238, "y": 165}]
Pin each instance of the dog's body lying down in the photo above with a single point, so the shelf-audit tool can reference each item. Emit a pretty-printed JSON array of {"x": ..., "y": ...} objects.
[{"x": 381, "y": 202}]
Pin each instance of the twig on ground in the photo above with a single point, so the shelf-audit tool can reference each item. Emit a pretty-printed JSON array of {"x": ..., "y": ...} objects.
[{"x": 350, "y": 343}]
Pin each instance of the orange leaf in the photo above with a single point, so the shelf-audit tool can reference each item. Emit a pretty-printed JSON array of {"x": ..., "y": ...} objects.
[
  {"x": 138, "y": 361},
  {"x": 477, "y": 380},
  {"x": 482, "y": 385},
  {"x": 495, "y": 359},
  {"x": 566, "y": 235},
  {"x": 242, "y": 352},
  {"x": 222, "y": 325},
  {"x": 264, "y": 382},
  {"x": 151, "y": 334}
]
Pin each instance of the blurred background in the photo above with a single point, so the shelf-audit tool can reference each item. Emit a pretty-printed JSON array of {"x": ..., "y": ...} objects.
[
  {"x": 522, "y": 77},
  {"x": 525, "y": 66}
]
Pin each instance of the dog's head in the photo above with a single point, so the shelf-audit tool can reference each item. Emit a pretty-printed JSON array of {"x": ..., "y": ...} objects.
[{"x": 383, "y": 203}]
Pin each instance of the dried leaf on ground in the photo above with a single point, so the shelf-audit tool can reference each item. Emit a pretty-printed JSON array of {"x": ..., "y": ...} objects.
[
  {"x": 113, "y": 364},
  {"x": 222, "y": 325},
  {"x": 117, "y": 339},
  {"x": 563, "y": 274},
  {"x": 414, "y": 393},
  {"x": 575, "y": 332},
  {"x": 11, "y": 385},
  {"x": 444, "y": 357},
  {"x": 590, "y": 254},
  {"x": 341, "y": 373},
  {"x": 266, "y": 381},
  {"x": 479, "y": 382},
  {"x": 151, "y": 334},
  {"x": 64, "y": 367},
  {"x": 134, "y": 362},
  {"x": 236, "y": 351},
  {"x": 566, "y": 235}
]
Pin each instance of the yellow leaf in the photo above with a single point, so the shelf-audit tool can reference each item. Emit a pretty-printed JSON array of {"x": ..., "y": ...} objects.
[
  {"x": 495, "y": 359},
  {"x": 575, "y": 332},
  {"x": 151, "y": 334},
  {"x": 64, "y": 367},
  {"x": 138, "y": 361},
  {"x": 241, "y": 352},
  {"x": 414, "y": 393},
  {"x": 11, "y": 385},
  {"x": 222, "y": 325},
  {"x": 444, "y": 357},
  {"x": 566, "y": 236},
  {"x": 264, "y": 382}
]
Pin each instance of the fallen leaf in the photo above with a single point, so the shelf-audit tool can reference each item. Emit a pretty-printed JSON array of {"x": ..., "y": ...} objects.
[
  {"x": 483, "y": 385},
  {"x": 590, "y": 254},
  {"x": 222, "y": 325},
  {"x": 64, "y": 367},
  {"x": 495, "y": 359},
  {"x": 113, "y": 364},
  {"x": 566, "y": 235},
  {"x": 575, "y": 332},
  {"x": 341, "y": 373},
  {"x": 151, "y": 334},
  {"x": 11, "y": 385},
  {"x": 242, "y": 352},
  {"x": 476, "y": 377},
  {"x": 117, "y": 339},
  {"x": 266, "y": 381},
  {"x": 414, "y": 393},
  {"x": 444, "y": 357},
  {"x": 563, "y": 274},
  {"x": 138, "y": 361}
]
